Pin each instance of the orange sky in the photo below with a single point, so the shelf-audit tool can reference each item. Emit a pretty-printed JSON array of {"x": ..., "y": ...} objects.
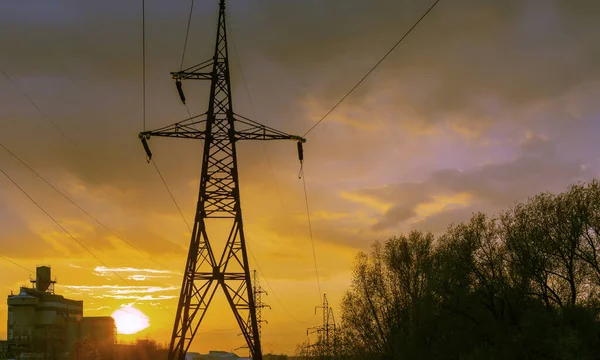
[{"x": 483, "y": 105}]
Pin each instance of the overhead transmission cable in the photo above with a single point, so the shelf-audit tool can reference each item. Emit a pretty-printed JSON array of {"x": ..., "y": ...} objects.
[
  {"x": 268, "y": 161},
  {"x": 48, "y": 183},
  {"x": 185, "y": 42},
  {"x": 187, "y": 33},
  {"x": 335, "y": 107},
  {"x": 144, "y": 63},
  {"x": 144, "y": 106},
  {"x": 33, "y": 272},
  {"x": 310, "y": 231},
  {"x": 16, "y": 264},
  {"x": 373, "y": 68},
  {"x": 269, "y": 285},
  {"x": 37, "y": 107},
  {"x": 77, "y": 205},
  {"x": 273, "y": 173},
  {"x": 264, "y": 146},
  {"x": 60, "y": 225},
  {"x": 171, "y": 195}
]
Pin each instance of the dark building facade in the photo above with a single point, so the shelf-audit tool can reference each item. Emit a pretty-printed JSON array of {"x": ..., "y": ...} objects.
[{"x": 42, "y": 322}]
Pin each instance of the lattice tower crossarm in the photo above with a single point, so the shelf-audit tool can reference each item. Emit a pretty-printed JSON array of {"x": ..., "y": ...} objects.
[{"x": 219, "y": 198}]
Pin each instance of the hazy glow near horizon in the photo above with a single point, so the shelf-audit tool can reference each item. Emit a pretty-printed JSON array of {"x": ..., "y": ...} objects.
[{"x": 130, "y": 320}]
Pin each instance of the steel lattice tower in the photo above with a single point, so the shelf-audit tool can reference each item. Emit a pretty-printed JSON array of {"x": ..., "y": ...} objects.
[
  {"x": 219, "y": 198},
  {"x": 258, "y": 291},
  {"x": 327, "y": 337}
]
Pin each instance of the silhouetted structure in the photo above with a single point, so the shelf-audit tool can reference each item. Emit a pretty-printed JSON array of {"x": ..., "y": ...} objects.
[
  {"x": 326, "y": 345},
  {"x": 42, "y": 322},
  {"x": 258, "y": 291},
  {"x": 219, "y": 198}
]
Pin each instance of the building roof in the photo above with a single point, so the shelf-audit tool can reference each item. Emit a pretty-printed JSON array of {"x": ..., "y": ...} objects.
[{"x": 28, "y": 293}]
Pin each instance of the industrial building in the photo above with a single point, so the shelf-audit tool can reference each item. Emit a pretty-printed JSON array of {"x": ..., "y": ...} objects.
[{"x": 47, "y": 325}]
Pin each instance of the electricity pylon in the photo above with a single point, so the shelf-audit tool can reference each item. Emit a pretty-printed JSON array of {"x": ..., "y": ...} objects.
[
  {"x": 219, "y": 198},
  {"x": 326, "y": 345},
  {"x": 258, "y": 291}
]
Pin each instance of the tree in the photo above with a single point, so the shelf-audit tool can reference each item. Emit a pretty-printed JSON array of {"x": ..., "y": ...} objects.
[
  {"x": 85, "y": 350},
  {"x": 523, "y": 285}
]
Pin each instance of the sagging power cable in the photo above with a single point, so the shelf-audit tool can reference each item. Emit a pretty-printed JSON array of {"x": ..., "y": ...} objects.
[
  {"x": 264, "y": 146},
  {"x": 144, "y": 63},
  {"x": 144, "y": 103},
  {"x": 187, "y": 33},
  {"x": 86, "y": 213},
  {"x": 171, "y": 195},
  {"x": 60, "y": 225},
  {"x": 16, "y": 264},
  {"x": 373, "y": 68},
  {"x": 300, "y": 158},
  {"x": 37, "y": 108},
  {"x": 310, "y": 230},
  {"x": 268, "y": 284}
]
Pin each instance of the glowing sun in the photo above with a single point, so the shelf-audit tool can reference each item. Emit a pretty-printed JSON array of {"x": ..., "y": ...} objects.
[{"x": 130, "y": 320}]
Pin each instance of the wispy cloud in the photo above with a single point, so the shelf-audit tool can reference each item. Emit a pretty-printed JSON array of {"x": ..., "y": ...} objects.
[
  {"x": 99, "y": 308},
  {"x": 120, "y": 289},
  {"x": 136, "y": 293},
  {"x": 104, "y": 270},
  {"x": 140, "y": 298},
  {"x": 139, "y": 277}
]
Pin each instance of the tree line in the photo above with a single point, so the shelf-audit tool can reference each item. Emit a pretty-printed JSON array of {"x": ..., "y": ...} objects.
[{"x": 524, "y": 284}]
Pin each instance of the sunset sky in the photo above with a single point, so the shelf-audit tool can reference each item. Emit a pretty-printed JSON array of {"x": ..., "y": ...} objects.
[{"x": 484, "y": 104}]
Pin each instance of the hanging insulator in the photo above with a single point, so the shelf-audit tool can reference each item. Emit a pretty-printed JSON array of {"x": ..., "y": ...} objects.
[
  {"x": 300, "y": 151},
  {"x": 146, "y": 147},
  {"x": 180, "y": 90}
]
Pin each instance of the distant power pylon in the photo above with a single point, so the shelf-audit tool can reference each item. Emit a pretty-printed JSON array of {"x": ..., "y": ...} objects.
[
  {"x": 258, "y": 291},
  {"x": 326, "y": 345},
  {"x": 218, "y": 201}
]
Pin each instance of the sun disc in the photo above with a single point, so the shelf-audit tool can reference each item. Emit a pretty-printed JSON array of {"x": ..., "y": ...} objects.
[{"x": 130, "y": 320}]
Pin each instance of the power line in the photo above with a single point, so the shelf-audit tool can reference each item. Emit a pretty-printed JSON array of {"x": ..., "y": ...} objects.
[
  {"x": 60, "y": 225},
  {"x": 77, "y": 206},
  {"x": 29, "y": 271},
  {"x": 187, "y": 33},
  {"x": 37, "y": 107},
  {"x": 66, "y": 232},
  {"x": 272, "y": 173},
  {"x": 144, "y": 63},
  {"x": 144, "y": 100},
  {"x": 185, "y": 42},
  {"x": 171, "y": 195},
  {"x": 269, "y": 285},
  {"x": 373, "y": 68},
  {"x": 312, "y": 241},
  {"x": 268, "y": 162},
  {"x": 264, "y": 147},
  {"x": 15, "y": 264}
]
